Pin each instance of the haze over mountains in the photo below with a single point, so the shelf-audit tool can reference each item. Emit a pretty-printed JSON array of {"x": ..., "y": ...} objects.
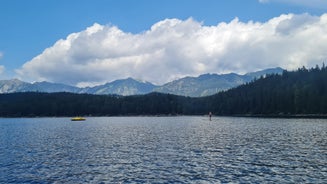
[{"x": 203, "y": 85}]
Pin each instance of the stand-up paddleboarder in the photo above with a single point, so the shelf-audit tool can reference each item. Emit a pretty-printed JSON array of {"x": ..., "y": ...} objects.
[{"x": 210, "y": 114}]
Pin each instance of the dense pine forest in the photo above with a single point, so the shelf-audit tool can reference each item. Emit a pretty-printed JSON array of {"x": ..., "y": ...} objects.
[
  {"x": 301, "y": 92},
  {"x": 294, "y": 92}
]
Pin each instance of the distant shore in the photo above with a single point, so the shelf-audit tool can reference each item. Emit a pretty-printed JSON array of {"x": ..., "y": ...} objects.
[
  {"x": 288, "y": 116},
  {"x": 291, "y": 116}
]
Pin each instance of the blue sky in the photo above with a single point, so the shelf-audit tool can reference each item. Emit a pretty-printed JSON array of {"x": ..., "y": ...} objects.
[{"x": 28, "y": 28}]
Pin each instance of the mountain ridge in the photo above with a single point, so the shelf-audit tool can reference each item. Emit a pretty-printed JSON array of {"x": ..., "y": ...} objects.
[
  {"x": 209, "y": 84},
  {"x": 202, "y": 85},
  {"x": 299, "y": 94}
]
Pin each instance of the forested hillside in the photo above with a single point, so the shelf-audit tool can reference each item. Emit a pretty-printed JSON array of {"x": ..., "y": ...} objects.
[
  {"x": 296, "y": 92},
  {"x": 292, "y": 93},
  {"x": 70, "y": 104}
]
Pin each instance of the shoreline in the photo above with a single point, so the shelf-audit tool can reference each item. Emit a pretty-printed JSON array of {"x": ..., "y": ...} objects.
[{"x": 292, "y": 116}]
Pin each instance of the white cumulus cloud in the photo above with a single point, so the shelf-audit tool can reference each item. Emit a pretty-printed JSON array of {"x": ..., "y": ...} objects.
[{"x": 174, "y": 48}]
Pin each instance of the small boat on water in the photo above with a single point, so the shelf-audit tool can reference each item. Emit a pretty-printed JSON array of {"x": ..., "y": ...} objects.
[{"x": 78, "y": 119}]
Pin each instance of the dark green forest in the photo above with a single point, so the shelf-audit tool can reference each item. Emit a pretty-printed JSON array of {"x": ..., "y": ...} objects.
[
  {"x": 301, "y": 92},
  {"x": 293, "y": 93}
]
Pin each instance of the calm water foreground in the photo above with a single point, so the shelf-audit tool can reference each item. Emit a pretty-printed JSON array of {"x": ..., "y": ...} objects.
[{"x": 163, "y": 150}]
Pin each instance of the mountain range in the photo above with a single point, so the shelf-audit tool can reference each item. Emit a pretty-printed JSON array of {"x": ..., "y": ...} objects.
[{"x": 203, "y": 85}]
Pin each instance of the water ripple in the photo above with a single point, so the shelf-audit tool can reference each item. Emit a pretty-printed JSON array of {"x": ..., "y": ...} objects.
[{"x": 163, "y": 150}]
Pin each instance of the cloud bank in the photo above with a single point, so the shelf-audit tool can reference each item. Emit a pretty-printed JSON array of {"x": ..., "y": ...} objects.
[{"x": 175, "y": 48}]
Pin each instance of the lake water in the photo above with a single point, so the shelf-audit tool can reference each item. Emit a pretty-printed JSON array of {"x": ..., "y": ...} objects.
[{"x": 163, "y": 150}]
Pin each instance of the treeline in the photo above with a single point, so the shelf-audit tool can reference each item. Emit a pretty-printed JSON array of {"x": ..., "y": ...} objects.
[
  {"x": 292, "y": 93},
  {"x": 32, "y": 104}
]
